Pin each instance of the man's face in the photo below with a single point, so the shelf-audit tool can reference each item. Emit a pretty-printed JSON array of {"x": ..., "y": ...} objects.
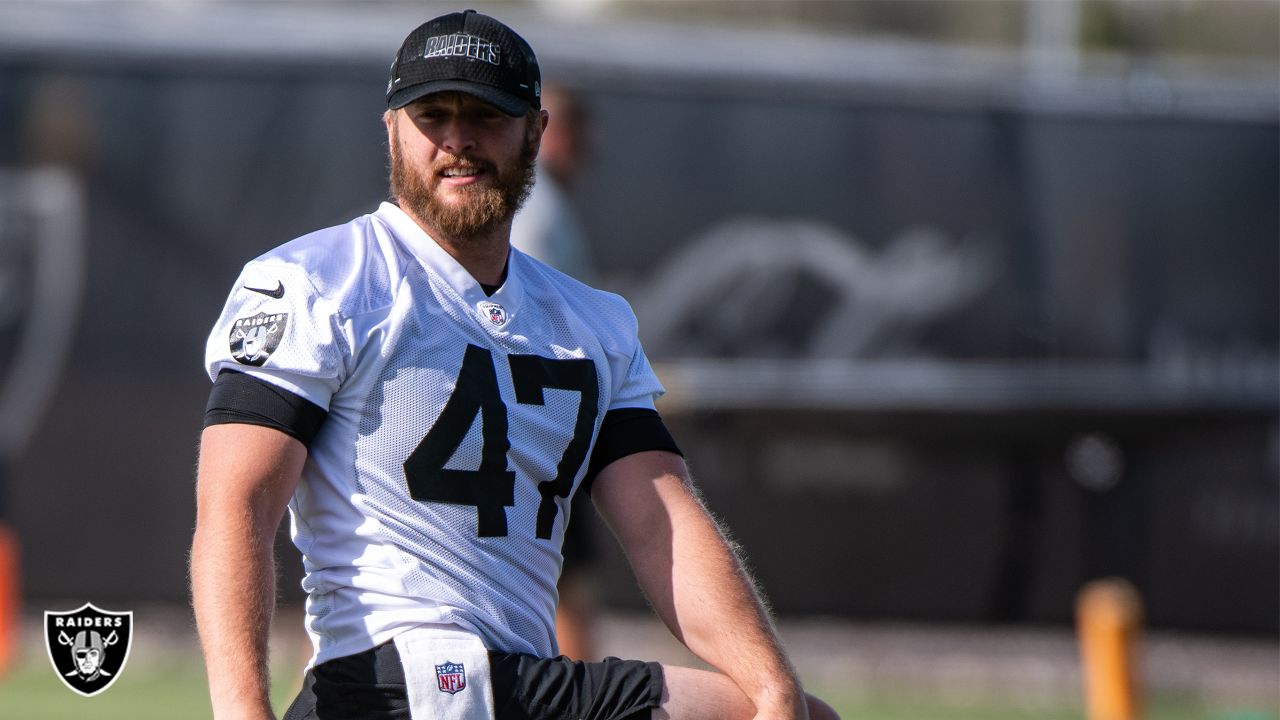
[{"x": 459, "y": 164}]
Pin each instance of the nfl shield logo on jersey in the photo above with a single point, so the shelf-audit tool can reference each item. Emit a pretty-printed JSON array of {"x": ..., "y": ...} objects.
[
  {"x": 88, "y": 647},
  {"x": 452, "y": 677},
  {"x": 494, "y": 313}
]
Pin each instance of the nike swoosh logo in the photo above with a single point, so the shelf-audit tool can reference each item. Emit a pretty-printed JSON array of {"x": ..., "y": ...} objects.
[{"x": 277, "y": 293}]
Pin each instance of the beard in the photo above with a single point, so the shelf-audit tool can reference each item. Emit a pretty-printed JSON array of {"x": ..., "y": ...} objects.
[{"x": 483, "y": 207}]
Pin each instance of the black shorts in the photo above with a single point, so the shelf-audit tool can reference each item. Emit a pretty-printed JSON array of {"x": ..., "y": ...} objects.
[{"x": 371, "y": 686}]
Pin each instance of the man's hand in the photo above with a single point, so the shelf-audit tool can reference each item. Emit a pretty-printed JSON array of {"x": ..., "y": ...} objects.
[
  {"x": 697, "y": 585},
  {"x": 701, "y": 695}
]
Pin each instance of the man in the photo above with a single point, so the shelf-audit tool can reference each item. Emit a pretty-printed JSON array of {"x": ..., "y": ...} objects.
[{"x": 426, "y": 400}]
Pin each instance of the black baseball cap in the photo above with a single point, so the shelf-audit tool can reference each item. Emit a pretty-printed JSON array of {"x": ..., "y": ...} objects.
[{"x": 468, "y": 52}]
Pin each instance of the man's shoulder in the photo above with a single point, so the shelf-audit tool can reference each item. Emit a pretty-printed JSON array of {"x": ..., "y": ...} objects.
[
  {"x": 320, "y": 248},
  {"x": 571, "y": 287},
  {"x": 347, "y": 264},
  {"x": 608, "y": 312}
]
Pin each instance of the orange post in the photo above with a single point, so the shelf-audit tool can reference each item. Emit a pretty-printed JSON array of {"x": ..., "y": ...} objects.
[
  {"x": 8, "y": 597},
  {"x": 1109, "y": 627}
]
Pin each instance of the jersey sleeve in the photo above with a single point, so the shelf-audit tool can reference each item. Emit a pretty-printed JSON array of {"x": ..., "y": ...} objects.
[
  {"x": 624, "y": 432},
  {"x": 639, "y": 386},
  {"x": 635, "y": 385},
  {"x": 243, "y": 399},
  {"x": 277, "y": 328}
]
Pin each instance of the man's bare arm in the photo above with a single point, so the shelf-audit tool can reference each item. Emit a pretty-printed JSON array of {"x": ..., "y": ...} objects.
[
  {"x": 694, "y": 579},
  {"x": 246, "y": 476}
]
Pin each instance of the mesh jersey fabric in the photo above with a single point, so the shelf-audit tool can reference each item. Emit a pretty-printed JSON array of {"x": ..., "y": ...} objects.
[{"x": 376, "y": 323}]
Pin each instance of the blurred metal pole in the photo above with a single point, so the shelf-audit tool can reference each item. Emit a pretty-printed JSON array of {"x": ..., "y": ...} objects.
[{"x": 1052, "y": 39}]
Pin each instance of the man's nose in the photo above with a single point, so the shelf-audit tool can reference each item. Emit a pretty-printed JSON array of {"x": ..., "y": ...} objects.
[{"x": 458, "y": 136}]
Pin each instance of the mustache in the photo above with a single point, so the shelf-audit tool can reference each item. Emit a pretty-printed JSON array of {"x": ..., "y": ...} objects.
[{"x": 463, "y": 162}]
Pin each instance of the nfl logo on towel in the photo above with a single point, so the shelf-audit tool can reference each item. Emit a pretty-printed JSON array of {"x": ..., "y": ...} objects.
[{"x": 452, "y": 677}]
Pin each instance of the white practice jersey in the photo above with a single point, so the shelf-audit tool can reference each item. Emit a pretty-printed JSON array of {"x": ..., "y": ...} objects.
[{"x": 459, "y": 425}]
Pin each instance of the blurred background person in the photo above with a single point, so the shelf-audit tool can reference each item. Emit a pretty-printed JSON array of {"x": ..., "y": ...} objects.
[{"x": 548, "y": 228}]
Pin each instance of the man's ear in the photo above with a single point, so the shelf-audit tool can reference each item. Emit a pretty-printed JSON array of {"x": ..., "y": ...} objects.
[
  {"x": 538, "y": 127},
  {"x": 388, "y": 119}
]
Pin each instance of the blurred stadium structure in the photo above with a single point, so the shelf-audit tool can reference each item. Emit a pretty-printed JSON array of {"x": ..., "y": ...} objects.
[{"x": 948, "y": 329}]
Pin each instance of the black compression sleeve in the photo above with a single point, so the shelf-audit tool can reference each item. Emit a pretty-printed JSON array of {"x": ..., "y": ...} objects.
[
  {"x": 624, "y": 432},
  {"x": 240, "y": 398}
]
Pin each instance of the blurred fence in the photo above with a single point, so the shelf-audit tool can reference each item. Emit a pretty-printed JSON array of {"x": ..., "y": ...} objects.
[{"x": 943, "y": 338}]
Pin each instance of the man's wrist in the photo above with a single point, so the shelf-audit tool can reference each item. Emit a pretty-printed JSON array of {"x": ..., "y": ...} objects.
[
  {"x": 245, "y": 713},
  {"x": 241, "y": 708},
  {"x": 784, "y": 699}
]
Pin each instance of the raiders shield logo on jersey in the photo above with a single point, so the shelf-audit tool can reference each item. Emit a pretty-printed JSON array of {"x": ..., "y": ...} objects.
[
  {"x": 253, "y": 339},
  {"x": 88, "y": 647}
]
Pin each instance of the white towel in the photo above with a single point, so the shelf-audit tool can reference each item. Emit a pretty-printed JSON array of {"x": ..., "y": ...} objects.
[{"x": 446, "y": 671}]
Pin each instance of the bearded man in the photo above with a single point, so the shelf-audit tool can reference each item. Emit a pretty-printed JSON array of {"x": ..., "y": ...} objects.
[{"x": 426, "y": 401}]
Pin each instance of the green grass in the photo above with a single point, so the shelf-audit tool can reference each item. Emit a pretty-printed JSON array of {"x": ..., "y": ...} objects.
[
  {"x": 31, "y": 691},
  {"x": 177, "y": 690},
  {"x": 903, "y": 707}
]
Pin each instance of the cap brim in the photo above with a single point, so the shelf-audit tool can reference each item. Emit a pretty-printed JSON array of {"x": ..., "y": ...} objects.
[{"x": 501, "y": 99}]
